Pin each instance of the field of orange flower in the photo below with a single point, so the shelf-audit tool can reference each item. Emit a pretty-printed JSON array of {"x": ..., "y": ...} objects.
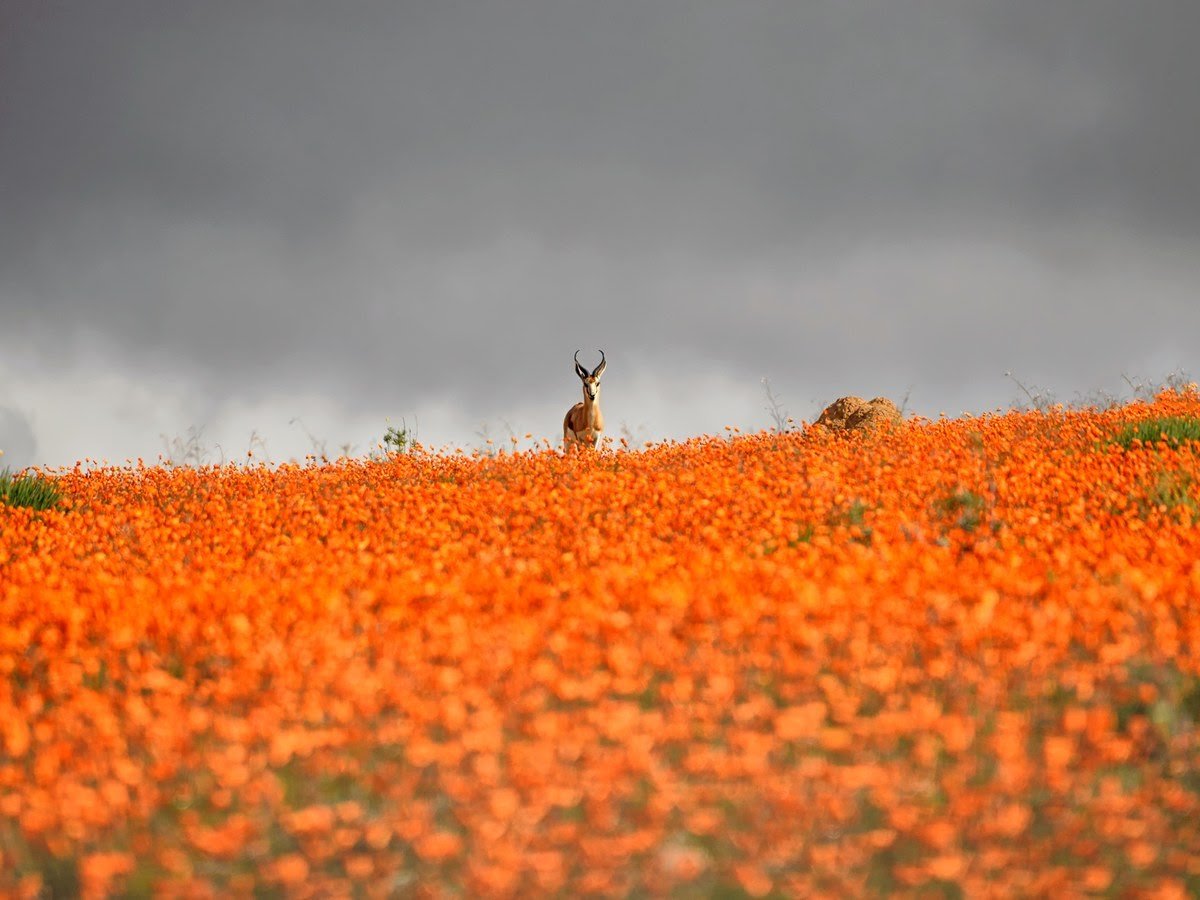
[{"x": 958, "y": 658}]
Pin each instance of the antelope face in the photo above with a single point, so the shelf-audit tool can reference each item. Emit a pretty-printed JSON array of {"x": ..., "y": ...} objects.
[{"x": 591, "y": 380}]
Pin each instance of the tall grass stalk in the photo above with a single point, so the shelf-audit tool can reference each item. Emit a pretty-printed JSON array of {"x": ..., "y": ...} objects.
[{"x": 32, "y": 491}]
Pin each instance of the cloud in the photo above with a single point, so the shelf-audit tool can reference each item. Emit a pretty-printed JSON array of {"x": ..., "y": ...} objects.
[
  {"x": 17, "y": 443},
  {"x": 430, "y": 207}
]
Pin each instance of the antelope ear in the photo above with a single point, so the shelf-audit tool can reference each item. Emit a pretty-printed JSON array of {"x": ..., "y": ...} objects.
[{"x": 581, "y": 371}]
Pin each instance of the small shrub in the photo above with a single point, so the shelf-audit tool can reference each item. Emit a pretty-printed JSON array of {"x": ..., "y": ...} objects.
[
  {"x": 853, "y": 516},
  {"x": 32, "y": 491},
  {"x": 964, "y": 506},
  {"x": 1039, "y": 399},
  {"x": 782, "y": 421},
  {"x": 804, "y": 535},
  {"x": 396, "y": 440},
  {"x": 1174, "y": 431},
  {"x": 188, "y": 450},
  {"x": 1147, "y": 389}
]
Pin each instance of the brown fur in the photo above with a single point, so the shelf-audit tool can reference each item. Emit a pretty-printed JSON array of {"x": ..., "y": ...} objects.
[{"x": 583, "y": 423}]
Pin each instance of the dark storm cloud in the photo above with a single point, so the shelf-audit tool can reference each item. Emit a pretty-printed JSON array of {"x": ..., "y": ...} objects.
[
  {"x": 1141, "y": 159},
  {"x": 447, "y": 199}
]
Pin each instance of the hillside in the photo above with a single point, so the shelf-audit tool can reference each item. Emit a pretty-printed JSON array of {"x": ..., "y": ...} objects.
[{"x": 960, "y": 655}]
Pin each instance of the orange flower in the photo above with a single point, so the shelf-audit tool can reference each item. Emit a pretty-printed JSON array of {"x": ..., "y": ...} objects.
[
  {"x": 940, "y": 834},
  {"x": 754, "y": 880},
  {"x": 798, "y": 722},
  {"x": 1059, "y": 751},
  {"x": 947, "y": 867},
  {"x": 1013, "y": 819},
  {"x": 1142, "y": 853},
  {"x": 291, "y": 869},
  {"x": 612, "y": 673},
  {"x": 704, "y": 821},
  {"x": 504, "y": 802},
  {"x": 1097, "y": 878},
  {"x": 957, "y": 732},
  {"x": 836, "y": 739},
  {"x": 438, "y": 846}
]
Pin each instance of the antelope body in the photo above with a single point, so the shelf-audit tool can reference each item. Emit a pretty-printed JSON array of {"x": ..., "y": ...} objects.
[{"x": 584, "y": 422}]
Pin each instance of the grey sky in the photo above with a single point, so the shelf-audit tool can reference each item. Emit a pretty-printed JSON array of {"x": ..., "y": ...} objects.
[{"x": 229, "y": 215}]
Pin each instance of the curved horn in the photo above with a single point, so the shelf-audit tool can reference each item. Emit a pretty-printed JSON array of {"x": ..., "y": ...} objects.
[
  {"x": 600, "y": 368},
  {"x": 579, "y": 369}
]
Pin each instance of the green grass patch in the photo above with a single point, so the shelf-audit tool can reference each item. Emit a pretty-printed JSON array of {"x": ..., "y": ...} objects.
[
  {"x": 1174, "y": 431},
  {"x": 853, "y": 516},
  {"x": 964, "y": 507},
  {"x": 1173, "y": 707},
  {"x": 32, "y": 491},
  {"x": 1169, "y": 490}
]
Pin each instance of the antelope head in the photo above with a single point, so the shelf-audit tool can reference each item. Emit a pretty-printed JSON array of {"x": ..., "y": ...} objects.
[{"x": 591, "y": 380}]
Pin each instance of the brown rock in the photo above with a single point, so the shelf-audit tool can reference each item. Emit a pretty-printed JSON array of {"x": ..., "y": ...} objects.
[{"x": 857, "y": 414}]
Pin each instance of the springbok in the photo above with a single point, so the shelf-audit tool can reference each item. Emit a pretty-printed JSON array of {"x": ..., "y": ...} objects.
[{"x": 584, "y": 421}]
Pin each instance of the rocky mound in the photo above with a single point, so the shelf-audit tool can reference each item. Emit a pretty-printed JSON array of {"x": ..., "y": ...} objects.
[{"x": 857, "y": 414}]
